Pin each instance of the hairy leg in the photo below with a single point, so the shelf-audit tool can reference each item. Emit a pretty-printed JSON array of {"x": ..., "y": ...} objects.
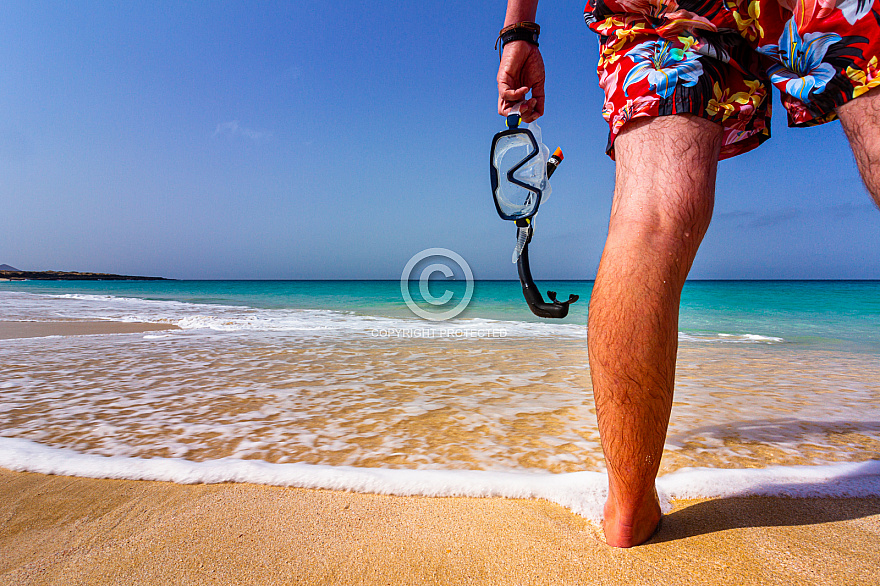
[
  {"x": 861, "y": 122},
  {"x": 663, "y": 199}
]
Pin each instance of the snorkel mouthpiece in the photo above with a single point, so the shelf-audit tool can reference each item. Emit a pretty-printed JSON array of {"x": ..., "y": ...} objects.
[{"x": 556, "y": 308}]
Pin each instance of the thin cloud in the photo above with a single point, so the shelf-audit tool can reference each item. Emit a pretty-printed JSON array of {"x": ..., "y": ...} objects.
[
  {"x": 849, "y": 210},
  {"x": 759, "y": 220},
  {"x": 233, "y": 128}
]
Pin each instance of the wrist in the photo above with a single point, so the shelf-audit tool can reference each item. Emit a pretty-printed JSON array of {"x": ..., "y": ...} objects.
[{"x": 519, "y": 31}]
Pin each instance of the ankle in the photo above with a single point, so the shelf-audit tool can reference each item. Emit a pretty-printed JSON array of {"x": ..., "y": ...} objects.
[
  {"x": 630, "y": 507},
  {"x": 631, "y": 522}
]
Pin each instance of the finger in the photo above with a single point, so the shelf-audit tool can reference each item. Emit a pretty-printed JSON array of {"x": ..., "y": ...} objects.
[
  {"x": 512, "y": 96},
  {"x": 515, "y": 99},
  {"x": 539, "y": 106},
  {"x": 525, "y": 111},
  {"x": 538, "y": 99},
  {"x": 504, "y": 107},
  {"x": 531, "y": 110}
]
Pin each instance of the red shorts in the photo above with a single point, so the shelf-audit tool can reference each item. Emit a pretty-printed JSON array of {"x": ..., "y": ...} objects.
[{"x": 718, "y": 58}]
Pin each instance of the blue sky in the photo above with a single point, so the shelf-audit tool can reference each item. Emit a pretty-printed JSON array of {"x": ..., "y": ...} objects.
[{"x": 301, "y": 140}]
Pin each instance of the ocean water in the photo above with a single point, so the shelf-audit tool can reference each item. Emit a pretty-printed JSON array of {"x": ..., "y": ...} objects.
[{"x": 337, "y": 384}]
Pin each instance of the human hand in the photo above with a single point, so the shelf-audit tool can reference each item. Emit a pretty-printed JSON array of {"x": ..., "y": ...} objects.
[{"x": 521, "y": 70}]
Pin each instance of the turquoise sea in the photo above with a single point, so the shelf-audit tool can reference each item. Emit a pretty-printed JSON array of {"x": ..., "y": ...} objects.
[
  {"x": 830, "y": 313},
  {"x": 317, "y": 383}
]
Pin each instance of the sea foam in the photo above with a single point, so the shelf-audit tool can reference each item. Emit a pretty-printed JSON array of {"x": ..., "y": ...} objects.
[
  {"x": 219, "y": 318},
  {"x": 582, "y": 492}
]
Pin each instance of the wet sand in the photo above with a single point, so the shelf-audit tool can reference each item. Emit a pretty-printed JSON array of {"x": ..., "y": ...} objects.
[
  {"x": 10, "y": 330},
  {"x": 65, "y": 530}
]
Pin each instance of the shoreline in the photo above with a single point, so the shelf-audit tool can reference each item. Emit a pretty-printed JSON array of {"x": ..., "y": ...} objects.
[
  {"x": 61, "y": 529},
  {"x": 82, "y": 392},
  {"x": 14, "y": 330},
  {"x": 17, "y": 275}
]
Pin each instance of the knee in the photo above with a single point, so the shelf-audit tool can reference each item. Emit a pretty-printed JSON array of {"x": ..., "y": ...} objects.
[
  {"x": 660, "y": 244},
  {"x": 671, "y": 227},
  {"x": 861, "y": 122}
]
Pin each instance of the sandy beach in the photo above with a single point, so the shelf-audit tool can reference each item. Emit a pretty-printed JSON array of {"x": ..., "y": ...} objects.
[
  {"x": 278, "y": 398},
  {"x": 10, "y": 330},
  {"x": 65, "y": 530}
]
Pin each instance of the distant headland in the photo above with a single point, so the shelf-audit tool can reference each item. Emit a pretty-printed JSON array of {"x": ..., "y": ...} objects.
[{"x": 8, "y": 273}]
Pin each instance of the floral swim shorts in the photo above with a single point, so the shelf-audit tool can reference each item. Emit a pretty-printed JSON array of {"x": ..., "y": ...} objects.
[{"x": 718, "y": 59}]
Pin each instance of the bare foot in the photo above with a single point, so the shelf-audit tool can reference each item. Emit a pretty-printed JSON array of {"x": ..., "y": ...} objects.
[{"x": 626, "y": 529}]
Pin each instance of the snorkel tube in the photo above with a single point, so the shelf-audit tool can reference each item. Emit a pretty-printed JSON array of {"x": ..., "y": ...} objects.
[
  {"x": 518, "y": 183},
  {"x": 555, "y": 309}
]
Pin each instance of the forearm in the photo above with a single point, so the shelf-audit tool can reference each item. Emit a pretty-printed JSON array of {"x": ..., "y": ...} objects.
[
  {"x": 521, "y": 69},
  {"x": 520, "y": 11}
]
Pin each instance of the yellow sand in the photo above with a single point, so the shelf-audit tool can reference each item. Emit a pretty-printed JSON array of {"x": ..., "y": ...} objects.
[
  {"x": 37, "y": 329},
  {"x": 64, "y": 530}
]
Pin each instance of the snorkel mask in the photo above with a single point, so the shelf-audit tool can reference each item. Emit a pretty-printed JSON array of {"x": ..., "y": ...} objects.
[
  {"x": 520, "y": 166},
  {"x": 518, "y": 178}
]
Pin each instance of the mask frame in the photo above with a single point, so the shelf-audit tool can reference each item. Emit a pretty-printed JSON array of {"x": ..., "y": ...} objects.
[{"x": 495, "y": 174}]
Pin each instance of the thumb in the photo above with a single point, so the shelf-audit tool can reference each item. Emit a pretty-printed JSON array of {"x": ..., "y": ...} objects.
[{"x": 517, "y": 95}]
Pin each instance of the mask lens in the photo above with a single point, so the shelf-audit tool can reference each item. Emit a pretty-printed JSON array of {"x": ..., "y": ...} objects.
[{"x": 517, "y": 151}]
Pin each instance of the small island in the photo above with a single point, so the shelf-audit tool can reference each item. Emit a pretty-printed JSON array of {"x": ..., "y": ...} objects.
[{"x": 8, "y": 273}]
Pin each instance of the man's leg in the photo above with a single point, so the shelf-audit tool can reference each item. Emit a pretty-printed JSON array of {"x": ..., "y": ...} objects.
[
  {"x": 861, "y": 122},
  {"x": 663, "y": 198}
]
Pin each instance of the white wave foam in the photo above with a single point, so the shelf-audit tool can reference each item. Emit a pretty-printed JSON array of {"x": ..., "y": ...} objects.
[
  {"x": 93, "y": 297},
  {"x": 851, "y": 479},
  {"x": 729, "y": 338},
  {"x": 229, "y": 318},
  {"x": 582, "y": 492},
  {"x": 751, "y": 338}
]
